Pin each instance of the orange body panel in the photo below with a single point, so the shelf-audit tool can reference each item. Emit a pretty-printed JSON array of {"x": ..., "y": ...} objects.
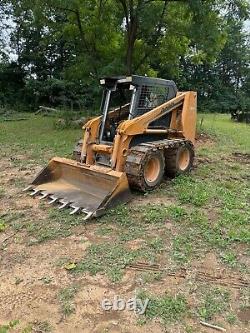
[{"x": 183, "y": 124}]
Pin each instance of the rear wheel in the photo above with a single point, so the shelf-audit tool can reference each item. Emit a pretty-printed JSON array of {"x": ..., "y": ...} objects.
[
  {"x": 145, "y": 172},
  {"x": 179, "y": 160}
]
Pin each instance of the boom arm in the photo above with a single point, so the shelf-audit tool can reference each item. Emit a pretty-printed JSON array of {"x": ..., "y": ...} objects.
[
  {"x": 185, "y": 102},
  {"x": 183, "y": 122}
]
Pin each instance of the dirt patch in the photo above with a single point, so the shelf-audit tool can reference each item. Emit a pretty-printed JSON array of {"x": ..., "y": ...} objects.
[
  {"x": 202, "y": 160},
  {"x": 135, "y": 244},
  {"x": 155, "y": 198},
  {"x": 241, "y": 157},
  {"x": 210, "y": 262},
  {"x": 204, "y": 139},
  {"x": 244, "y": 315}
]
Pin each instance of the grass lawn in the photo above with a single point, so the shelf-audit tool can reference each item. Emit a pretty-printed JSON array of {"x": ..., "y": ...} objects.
[{"x": 190, "y": 238}]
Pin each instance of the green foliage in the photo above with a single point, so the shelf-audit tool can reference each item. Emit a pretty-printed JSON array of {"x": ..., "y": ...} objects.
[
  {"x": 231, "y": 318},
  {"x": 190, "y": 190},
  {"x": 182, "y": 248},
  {"x": 155, "y": 213},
  {"x": 229, "y": 258},
  {"x": 214, "y": 302},
  {"x": 9, "y": 327},
  {"x": 176, "y": 212},
  {"x": 64, "y": 47},
  {"x": 12, "y": 85},
  {"x": 66, "y": 296},
  {"x": 222, "y": 84},
  {"x": 149, "y": 277},
  {"x": 120, "y": 215},
  {"x": 107, "y": 257},
  {"x": 156, "y": 244},
  {"x": 166, "y": 308},
  {"x": 2, "y": 226}
]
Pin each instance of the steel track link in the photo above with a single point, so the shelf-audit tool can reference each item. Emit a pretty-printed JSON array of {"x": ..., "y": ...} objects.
[{"x": 136, "y": 158}]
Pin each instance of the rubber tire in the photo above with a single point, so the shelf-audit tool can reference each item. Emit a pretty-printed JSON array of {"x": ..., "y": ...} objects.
[
  {"x": 145, "y": 186},
  {"x": 172, "y": 157}
]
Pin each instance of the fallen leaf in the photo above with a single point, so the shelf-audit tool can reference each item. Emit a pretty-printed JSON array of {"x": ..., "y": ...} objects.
[{"x": 69, "y": 266}]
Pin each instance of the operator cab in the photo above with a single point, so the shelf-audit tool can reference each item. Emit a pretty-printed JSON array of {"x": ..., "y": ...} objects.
[{"x": 129, "y": 97}]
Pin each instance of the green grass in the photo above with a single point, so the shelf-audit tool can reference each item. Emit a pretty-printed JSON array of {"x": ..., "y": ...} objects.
[
  {"x": 230, "y": 135},
  {"x": 113, "y": 257},
  {"x": 182, "y": 248},
  {"x": 12, "y": 327},
  {"x": 206, "y": 190},
  {"x": 191, "y": 191},
  {"x": 213, "y": 302},
  {"x": 37, "y": 139},
  {"x": 66, "y": 297},
  {"x": 2, "y": 192},
  {"x": 2, "y": 226},
  {"x": 231, "y": 318},
  {"x": 167, "y": 308},
  {"x": 206, "y": 211},
  {"x": 150, "y": 277},
  {"x": 57, "y": 224},
  {"x": 109, "y": 258},
  {"x": 153, "y": 214},
  {"x": 9, "y": 327}
]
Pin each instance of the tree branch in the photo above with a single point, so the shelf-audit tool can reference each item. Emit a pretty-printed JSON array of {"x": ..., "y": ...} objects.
[
  {"x": 157, "y": 34},
  {"x": 125, "y": 10},
  {"x": 79, "y": 24}
]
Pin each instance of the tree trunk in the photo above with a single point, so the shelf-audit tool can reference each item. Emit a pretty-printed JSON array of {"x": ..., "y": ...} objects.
[{"x": 131, "y": 38}]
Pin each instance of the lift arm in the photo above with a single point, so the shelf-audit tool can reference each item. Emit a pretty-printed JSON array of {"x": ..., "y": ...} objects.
[{"x": 185, "y": 101}]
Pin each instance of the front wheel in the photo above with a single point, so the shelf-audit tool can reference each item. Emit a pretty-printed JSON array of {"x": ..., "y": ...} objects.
[
  {"x": 145, "y": 168},
  {"x": 153, "y": 170}
]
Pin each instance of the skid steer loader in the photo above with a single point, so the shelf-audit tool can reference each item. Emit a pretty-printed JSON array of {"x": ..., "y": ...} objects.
[{"x": 146, "y": 130}]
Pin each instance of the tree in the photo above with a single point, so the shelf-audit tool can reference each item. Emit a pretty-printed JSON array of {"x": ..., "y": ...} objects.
[
  {"x": 220, "y": 83},
  {"x": 64, "y": 45}
]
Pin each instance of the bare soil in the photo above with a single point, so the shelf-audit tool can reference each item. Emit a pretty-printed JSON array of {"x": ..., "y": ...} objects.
[{"x": 32, "y": 276}]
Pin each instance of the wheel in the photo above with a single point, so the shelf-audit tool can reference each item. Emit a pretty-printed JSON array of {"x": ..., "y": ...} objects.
[
  {"x": 77, "y": 151},
  {"x": 179, "y": 160},
  {"x": 153, "y": 170},
  {"x": 145, "y": 171}
]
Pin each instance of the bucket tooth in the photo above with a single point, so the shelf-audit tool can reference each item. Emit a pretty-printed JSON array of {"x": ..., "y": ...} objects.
[
  {"x": 83, "y": 188},
  {"x": 63, "y": 204},
  {"x": 26, "y": 189},
  {"x": 88, "y": 215},
  {"x": 53, "y": 200},
  {"x": 44, "y": 195},
  {"x": 35, "y": 192},
  {"x": 75, "y": 210}
]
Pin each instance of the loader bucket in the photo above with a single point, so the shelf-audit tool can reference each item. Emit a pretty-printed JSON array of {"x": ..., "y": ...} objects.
[{"x": 87, "y": 189}]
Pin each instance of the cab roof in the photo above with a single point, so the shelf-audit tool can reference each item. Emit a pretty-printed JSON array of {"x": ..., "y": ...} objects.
[{"x": 136, "y": 80}]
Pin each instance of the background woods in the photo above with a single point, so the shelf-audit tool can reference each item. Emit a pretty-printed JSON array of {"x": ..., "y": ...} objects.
[{"x": 54, "y": 52}]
